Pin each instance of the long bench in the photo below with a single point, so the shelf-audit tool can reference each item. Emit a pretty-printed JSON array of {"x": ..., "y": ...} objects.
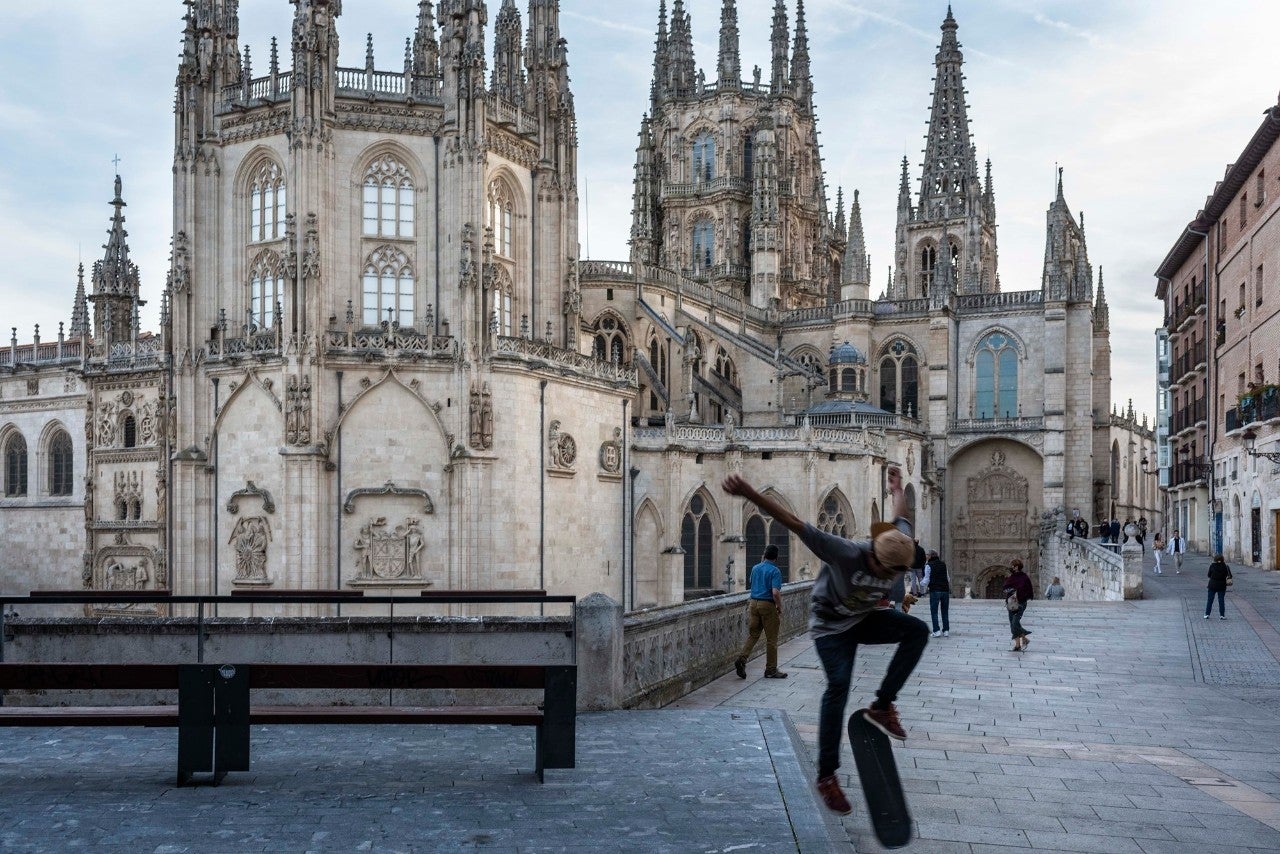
[{"x": 214, "y": 710}]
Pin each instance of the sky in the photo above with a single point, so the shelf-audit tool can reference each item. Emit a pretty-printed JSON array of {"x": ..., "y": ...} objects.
[{"x": 1142, "y": 104}]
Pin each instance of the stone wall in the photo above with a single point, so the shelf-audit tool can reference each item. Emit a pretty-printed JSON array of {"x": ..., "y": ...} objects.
[{"x": 1089, "y": 572}]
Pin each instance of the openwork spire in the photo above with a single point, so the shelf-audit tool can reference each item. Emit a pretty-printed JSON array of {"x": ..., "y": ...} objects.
[
  {"x": 949, "y": 164},
  {"x": 115, "y": 274},
  {"x": 729, "y": 69},
  {"x": 1067, "y": 272},
  {"x": 1101, "y": 311},
  {"x": 801, "y": 79},
  {"x": 426, "y": 47},
  {"x": 80, "y": 309},
  {"x": 682, "y": 70},
  {"x": 778, "y": 40},
  {"x": 508, "y": 70},
  {"x": 856, "y": 268}
]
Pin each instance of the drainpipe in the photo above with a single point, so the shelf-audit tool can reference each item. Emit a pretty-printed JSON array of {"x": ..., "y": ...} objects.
[
  {"x": 626, "y": 516},
  {"x": 213, "y": 459},
  {"x": 542, "y": 486},
  {"x": 337, "y": 521},
  {"x": 436, "y": 193},
  {"x": 1215, "y": 546},
  {"x": 533, "y": 253}
]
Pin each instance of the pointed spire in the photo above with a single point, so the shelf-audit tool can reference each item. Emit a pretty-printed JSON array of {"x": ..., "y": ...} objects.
[
  {"x": 778, "y": 40},
  {"x": 368, "y": 52},
  {"x": 729, "y": 69},
  {"x": 801, "y": 80},
  {"x": 661, "y": 60},
  {"x": 682, "y": 71},
  {"x": 949, "y": 161},
  {"x": 989, "y": 195},
  {"x": 426, "y": 48},
  {"x": 115, "y": 279},
  {"x": 508, "y": 72},
  {"x": 841, "y": 228},
  {"x": 856, "y": 269},
  {"x": 80, "y": 309}
]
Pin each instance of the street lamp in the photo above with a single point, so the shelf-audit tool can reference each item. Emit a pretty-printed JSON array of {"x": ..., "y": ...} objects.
[
  {"x": 1251, "y": 438},
  {"x": 1194, "y": 465}
]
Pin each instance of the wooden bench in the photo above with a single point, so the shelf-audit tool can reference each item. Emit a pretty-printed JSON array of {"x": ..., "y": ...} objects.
[{"x": 214, "y": 711}]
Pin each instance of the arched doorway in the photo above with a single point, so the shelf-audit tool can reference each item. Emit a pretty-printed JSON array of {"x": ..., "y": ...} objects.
[
  {"x": 991, "y": 582},
  {"x": 998, "y": 487}
]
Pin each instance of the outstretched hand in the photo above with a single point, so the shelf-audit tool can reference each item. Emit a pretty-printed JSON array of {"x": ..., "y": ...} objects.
[
  {"x": 735, "y": 485},
  {"x": 894, "y": 475}
]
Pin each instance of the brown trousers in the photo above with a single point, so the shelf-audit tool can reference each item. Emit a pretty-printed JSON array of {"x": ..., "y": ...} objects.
[{"x": 763, "y": 617}]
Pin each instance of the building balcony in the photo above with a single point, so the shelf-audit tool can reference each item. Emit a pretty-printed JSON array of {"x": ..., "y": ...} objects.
[{"x": 996, "y": 425}]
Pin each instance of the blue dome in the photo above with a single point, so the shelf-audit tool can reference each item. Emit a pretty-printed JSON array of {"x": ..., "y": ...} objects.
[{"x": 846, "y": 354}]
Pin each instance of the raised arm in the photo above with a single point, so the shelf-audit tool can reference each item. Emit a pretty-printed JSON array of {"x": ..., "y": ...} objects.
[
  {"x": 895, "y": 487},
  {"x": 736, "y": 485}
]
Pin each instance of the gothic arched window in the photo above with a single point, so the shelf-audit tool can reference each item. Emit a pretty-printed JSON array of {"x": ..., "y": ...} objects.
[
  {"x": 658, "y": 361},
  {"x": 835, "y": 516},
  {"x": 266, "y": 203},
  {"x": 129, "y": 430},
  {"x": 761, "y": 531},
  {"x": 502, "y": 306},
  {"x": 266, "y": 280},
  {"x": 900, "y": 378},
  {"x": 704, "y": 241},
  {"x": 502, "y": 218},
  {"x": 725, "y": 367},
  {"x": 997, "y": 378},
  {"x": 698, "y": 542},
  {"x": 388, "y": 287},
  {"x": 704, "y": 157},
  {"x": 748, "y": 157},
  {"x": 15, "y": 466},
  {"x": 609, "y": 341},
  {"x": 928, "y": 262},
  {"x": 60, "y": 459},
  {"x": 388, "y": 199}
]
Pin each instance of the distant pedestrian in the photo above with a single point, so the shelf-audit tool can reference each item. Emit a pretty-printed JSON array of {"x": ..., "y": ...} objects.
[
  {"x": 1055, "y": 590},
  {"x": 764, "y": 615},
  {"x": 938, "y": 582},
  {"x": 1018, "y": 592},
  {"x": 1114, "y": 531},
  {"x": 1082, "y": 529},
  {"x": 1219, "y": 581},
  {"x": 1177, "y": 548},
  {"x": 1157, "y": 548}
]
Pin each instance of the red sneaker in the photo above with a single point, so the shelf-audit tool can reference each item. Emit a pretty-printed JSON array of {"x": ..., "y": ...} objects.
[
  {"x": 832, "y": 796},
  {"x": 886, "y": 720}
]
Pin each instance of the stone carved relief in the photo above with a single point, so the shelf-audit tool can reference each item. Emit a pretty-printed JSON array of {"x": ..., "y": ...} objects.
[
  {"x": 562, "y": 450},
  {"x": 311, "y": 249},
  {"x": 251, "y": 490},
  {"x": 106, "y": 421},
  {"x": 911, "y": 460},
  {"x": 297, "y": 418},
  {"x": 180, "y": 269},
  {"x": 128, "y": 495},
  {"x": 611, "y": 453},
  {"x": 123, "y": 566},
  {"x": 33, "y": 387},
  {"x": 147, "y": 424},
  {"x": 481, "y": 417},
  {"x": 118, "y": 575},
  {"x": 250, "y": 536},
  {"x": 393, "y": 555},
  {"x": 389, "y": 488},
  {"x": 466, "y": 262}
]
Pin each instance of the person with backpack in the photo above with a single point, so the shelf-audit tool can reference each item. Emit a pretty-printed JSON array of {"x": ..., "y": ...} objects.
[
  {"x": 1018, "y": 592},
  {"x": 1219, "y": 580},
  {"x": 938, "y": 582}
]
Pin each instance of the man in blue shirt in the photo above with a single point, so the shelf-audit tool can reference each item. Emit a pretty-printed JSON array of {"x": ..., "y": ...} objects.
[{"x": 765, "y": 615}]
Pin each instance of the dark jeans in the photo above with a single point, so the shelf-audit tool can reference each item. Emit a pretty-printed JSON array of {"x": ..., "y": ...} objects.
[
  {"x": 837, "y": 653},
  {"x": 940, "y": 599},
  {"x": 1222, "y": 602},
  {"x": 1015, "y": 621}
]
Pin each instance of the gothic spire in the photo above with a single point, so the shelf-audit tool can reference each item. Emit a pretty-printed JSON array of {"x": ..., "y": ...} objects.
[
  {"x": 115, "y": 273},
  {"x": 856, "y": 268},
  {"x": 508, "y": 73},
  {"x": 729, "y": 71},
  {"x": 683, "y": 72},
  {"x": 841, "y": 228},
  {"x": 904, "y": 193},
  {"x": 1101, "y": 311},
  {"x": 1067, "y": 272},
  {"x": 80, "y": 309},
  {"x": 645, "y": 236},
  {"x": 801, "y": 81},
  {"x": 989, "y": 195},
  {"x": 661, "y": 59},
  {"x": 949, "y": 163},
  {"x": 426, "y": 48},
  {"x": 778, "y": 39}
]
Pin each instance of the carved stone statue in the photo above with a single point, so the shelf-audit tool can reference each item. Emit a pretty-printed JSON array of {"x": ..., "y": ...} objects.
[
  {"x": 474, "y": 418},
  {"x": 562, "y": 450},
  {"x": 250, "y": 537},
  {"x": 486, "y": 417},
  {"x": 297, "y": 417}
]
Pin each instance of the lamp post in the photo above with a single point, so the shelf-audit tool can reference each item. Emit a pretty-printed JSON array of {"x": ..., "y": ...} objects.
[
  {"x": 1250, "y": 439},
  {"x": 1204, "y": 468},
  {"x": 1145, "y": 465}
]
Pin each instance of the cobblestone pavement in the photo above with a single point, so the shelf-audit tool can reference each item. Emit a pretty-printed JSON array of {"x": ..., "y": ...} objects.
[
  {"x": 715, "y": 780},
  {"x": 1125, "y": 727}
]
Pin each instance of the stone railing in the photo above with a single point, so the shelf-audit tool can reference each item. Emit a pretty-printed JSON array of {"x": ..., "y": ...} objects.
[
  {"x": 995, "y": 425},
  {"x": 45, "y": 353},
  {"x": 506, "y": 113},
  {"x": 827, "y": 313},
  {"x": 699, "y": 188},
  {"x": 351, "y": 82},
  {"x": 716, "y": 437},
  {"x": 265, "y": 343},
  {"x": 1089, "y": 572},
  {"x": 668, "y": 652},
  {"x": 395, "y": 343},
  {"x": 612, "y": 273},
  {"x": 540, "y": 351},
  {"x": 878, "y": 420},
  {"x": 1010, "y": 299},
  {"x": 127, "y": 355}
]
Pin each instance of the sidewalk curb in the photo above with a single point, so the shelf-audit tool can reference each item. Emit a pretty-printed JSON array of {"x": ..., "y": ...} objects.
[{"x": 816, "y": 828}]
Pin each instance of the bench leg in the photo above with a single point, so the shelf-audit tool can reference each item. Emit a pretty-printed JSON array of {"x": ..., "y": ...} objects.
[
  {"x": 231, "y": 722},
  {"x": 213, "y": 721},
  {"x": 195, "y": 721},
  {"x": 557, "y": 734}
]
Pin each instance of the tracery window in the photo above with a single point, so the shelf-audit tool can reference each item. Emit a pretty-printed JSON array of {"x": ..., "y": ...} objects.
[
  {"x": 502, "y": 217},
  {"x": 15, "y": 466},
  {"x": 725, "y": 367},
  {"x": 900, "y": 378},
  {"x": 835, "y": 516},
  {"x": 762, "y": 530},
  {"x": 388, "y": 288},
  {"x": 748, "y": 157},
  {"x": 698, "y": 542},
  {"x": 704, "y": 158},
  {"x": 388, "y": 199},
  {"x": 704, "y": 236},
  {"x": 60, "y": 460},
  {"x": 928, "y": 263},
  {"x": 502, "y": 309},
  {"x": 997, "y": 377},
  {"x": 267, "y": 203},
  {"x": 658, "y": 361},
  {"x": 609, "y": 342},
  {"x": 266, "y": 279}
]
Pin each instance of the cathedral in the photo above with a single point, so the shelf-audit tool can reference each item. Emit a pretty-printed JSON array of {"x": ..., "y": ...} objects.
[{"x": 382, "y": 363}]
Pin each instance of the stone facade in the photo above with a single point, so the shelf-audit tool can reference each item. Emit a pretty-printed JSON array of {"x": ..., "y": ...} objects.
[
  {"x": 1220, "y": 374},
  {"x": 382, "y": 364}
]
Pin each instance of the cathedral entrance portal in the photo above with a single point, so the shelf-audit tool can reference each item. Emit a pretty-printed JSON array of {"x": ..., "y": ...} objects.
[{"x": 992, "y": 523}]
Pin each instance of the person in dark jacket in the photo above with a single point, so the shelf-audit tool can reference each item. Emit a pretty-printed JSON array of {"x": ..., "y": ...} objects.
[
  {"x": 1114, "y": 531},
  {"x": 938, "y": 583},
  {"x": 1018, "y": 584},
  {"x": 1219, "y": 578}
]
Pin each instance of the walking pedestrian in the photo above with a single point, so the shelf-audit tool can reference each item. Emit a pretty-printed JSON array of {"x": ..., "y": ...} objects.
[
  {"x": 1219, "y": 580},
  {"x": 854, "y": 576},
  {"x": 1177, "y": 548},
  {"x": 764, "y": 615},
  {"x": 1114, "y": 531},
  {"x": 1018, "y": 592},
  {"x": 1055, "y": 590},
  {"x": 938, "y": 582},
  {"x": 1157, "y": 548}
]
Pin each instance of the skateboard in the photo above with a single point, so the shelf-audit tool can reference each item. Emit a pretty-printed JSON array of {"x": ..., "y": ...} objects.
[{"x": 890, "y": 817}]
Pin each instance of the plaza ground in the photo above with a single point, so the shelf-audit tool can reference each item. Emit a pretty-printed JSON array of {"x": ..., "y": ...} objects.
[{"x": 1126, "y": 727}]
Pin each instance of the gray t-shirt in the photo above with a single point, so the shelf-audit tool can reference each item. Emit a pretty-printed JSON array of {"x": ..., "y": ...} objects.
[{"x": 846, "y": 589}]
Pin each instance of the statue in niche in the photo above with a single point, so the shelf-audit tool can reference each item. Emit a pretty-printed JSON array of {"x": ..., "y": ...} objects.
[
  {"x": 297, "y": 419},
  {"x": 474, "y": 418},
  {"x": 486, "y": 417},
  {"x": 561, "y": 447},
  {"x": 466, "y": 264},
  {"x": 250, "y": 537}
]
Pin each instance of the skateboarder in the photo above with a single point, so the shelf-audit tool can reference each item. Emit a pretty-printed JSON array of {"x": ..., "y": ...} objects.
[{"x": 854, "y": 576}]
